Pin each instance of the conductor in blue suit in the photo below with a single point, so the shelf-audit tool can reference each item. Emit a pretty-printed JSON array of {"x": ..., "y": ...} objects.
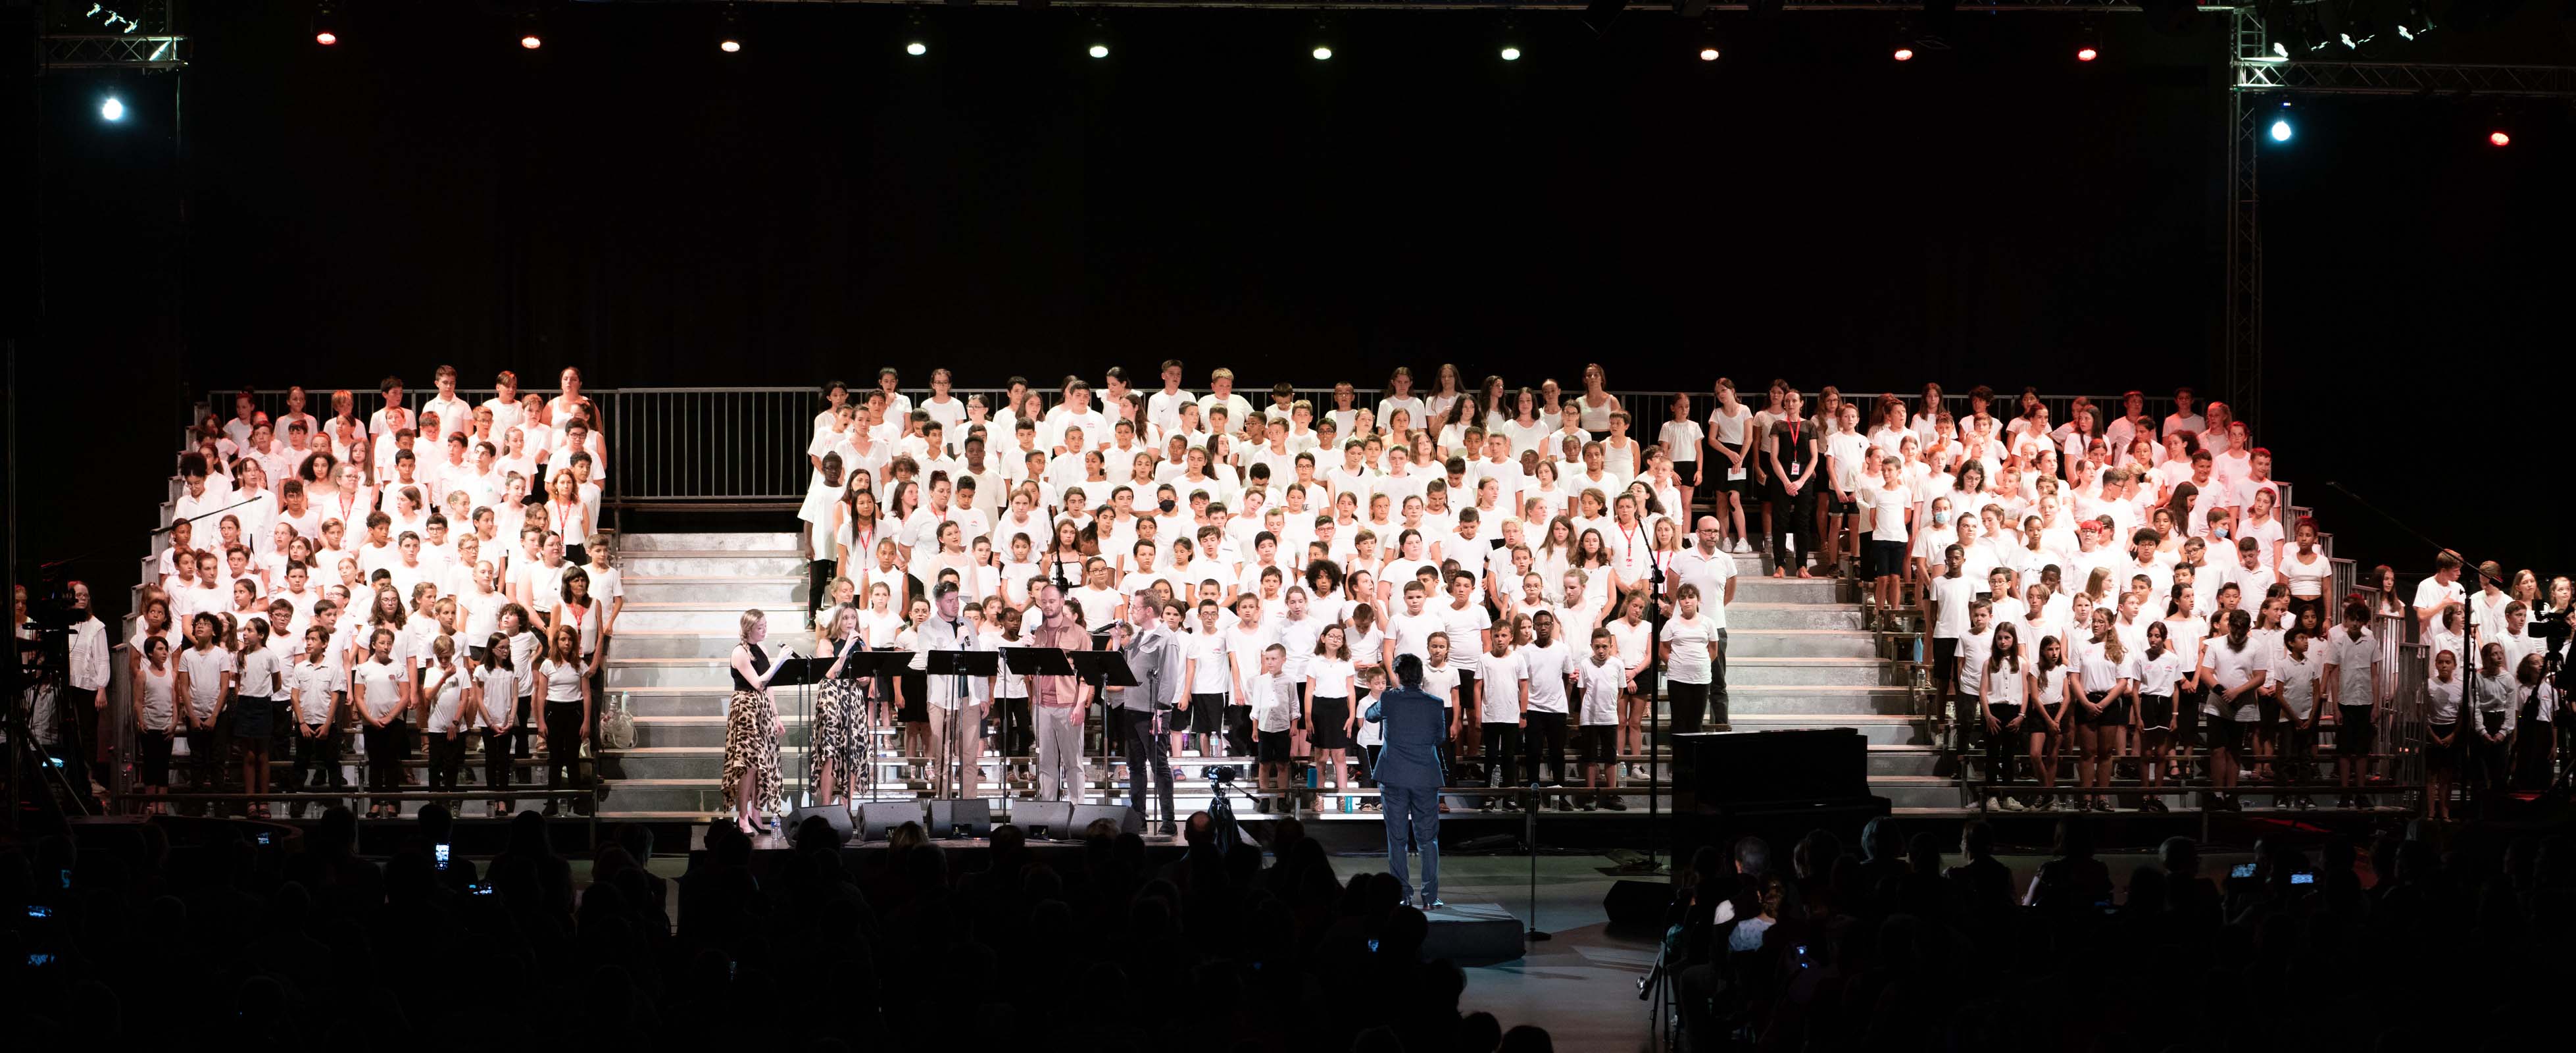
[{"x": 1409, "y": 776}]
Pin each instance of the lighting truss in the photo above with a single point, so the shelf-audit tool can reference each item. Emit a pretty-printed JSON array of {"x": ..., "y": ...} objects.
[{"x": 115, "y": 52}]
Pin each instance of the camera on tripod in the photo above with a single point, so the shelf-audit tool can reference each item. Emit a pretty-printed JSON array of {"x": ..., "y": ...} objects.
[{"x": 1223, "y": 774}]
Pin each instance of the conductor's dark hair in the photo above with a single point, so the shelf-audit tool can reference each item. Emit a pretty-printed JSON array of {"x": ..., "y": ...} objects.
[{"x": 1408, "y": 670}]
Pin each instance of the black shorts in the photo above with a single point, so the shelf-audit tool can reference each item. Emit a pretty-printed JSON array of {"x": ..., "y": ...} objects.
[
  {"x": 1718, "y": 470},
  {"x": 1682, "y": 471},
  {"x": 2155, "y": 712},
  {"x": 2224, "y": 733},
  {"x": 152, "y": 757},
  {"x": 1600, "y": 743},
  {"x": 1837, "y": 506},
  {"x": 1206, "y": 716},
  {"x": 2113, "y": 714},
  {"x": 2267, "y": 711},
  {"x": 1325, "y": 732},
  {"x": 1273, "y": 747},
  {"x": 1886, "y": 558},
  {"x": 2353, "y": 733}
]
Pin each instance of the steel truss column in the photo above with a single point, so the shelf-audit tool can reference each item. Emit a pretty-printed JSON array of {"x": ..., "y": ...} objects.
[{"x": 2241, "y": 368}]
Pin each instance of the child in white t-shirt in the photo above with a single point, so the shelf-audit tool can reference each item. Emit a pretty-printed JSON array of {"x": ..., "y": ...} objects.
[
  {"x": 1602, "y": 677},
  {"x": 1274, "y": 712}
]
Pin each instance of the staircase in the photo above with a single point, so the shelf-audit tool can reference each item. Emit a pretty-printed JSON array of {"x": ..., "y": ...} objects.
[{"x": 1797, "y": 657}]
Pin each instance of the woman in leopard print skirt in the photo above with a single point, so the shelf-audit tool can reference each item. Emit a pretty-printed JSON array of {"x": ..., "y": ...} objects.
[
  {"x": 752, "y": 729},
  {"x": 837, "y": 729}
]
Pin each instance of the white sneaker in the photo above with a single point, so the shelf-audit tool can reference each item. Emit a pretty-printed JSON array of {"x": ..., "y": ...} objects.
[
  {"x": 2013, "y": 804},
  {"x": 1741, "y": 548}
]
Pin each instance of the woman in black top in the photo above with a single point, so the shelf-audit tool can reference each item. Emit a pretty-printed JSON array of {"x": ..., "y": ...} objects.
[{"x": 1792, "y": 459}]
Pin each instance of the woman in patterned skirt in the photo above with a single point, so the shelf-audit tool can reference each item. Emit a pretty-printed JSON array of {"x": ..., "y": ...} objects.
[
  {"x": 752, "y": 730},
  {"x": 836, "y": 719}
]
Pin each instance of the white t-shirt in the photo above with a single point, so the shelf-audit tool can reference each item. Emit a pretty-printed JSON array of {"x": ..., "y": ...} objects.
[
  {"x": 500, "y": 695},
  {"x": 1441, "y": 682},
  {"x": 1690, "y": 638},
  {"x": 380, "y": 683},
  {"x": 1974, "y": 649},
  {"x": 1544, "y": 669},
  {"x": 1466, "y": 628},
  {"x": 2230, "y": 667},
  {"x": 1889, "y": 504},
  {"x": 1601, "y": 684},
  {"x": 445, "y": 690},
  {"x": 1499, "y": 688},
  {"x": 1211, "y": 676},
  {"x": 2353, "y": 661},
  {"x": 1412, "y": 633},
  {"x": 1330, "y": 677}
]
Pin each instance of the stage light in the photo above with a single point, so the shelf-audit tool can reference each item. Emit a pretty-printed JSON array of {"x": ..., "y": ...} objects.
[
  {"x": 916, "y": 48},
  {"x": 2417, "y": 21},
  {"x": 1902, "y": 54},
  {"x": 1100, "y": 51},
  {"x": 1708, "y": 54},
  {"x": 729, "y": 35},
  {"x": 1511, "y": 54},
  {"x": 2086, "y": 54},
  {"x": 2281, "y": 130},
  {"x": 111, "y": 110},
  {"x": 326, "y": 23},
  {"x": 729, "y": 46},
  {"x": 326, "y": 38},
  {"x": 532, "y": 41},
  {"x": 1322, "y": 52},
  {"x": 2500, "y": 138}
]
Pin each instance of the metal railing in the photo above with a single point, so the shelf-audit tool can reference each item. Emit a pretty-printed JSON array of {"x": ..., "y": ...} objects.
[{"x": 734, "y": 444}]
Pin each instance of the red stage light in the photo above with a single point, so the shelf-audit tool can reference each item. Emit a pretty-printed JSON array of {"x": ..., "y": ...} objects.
[
  {"x": 1904, "y": 54},
  {"x": 2086, "y": 54},
  {"x": 531, "y": 42},
  {"x": 326, "y": 38},
  {"x": 2500, "y": 138}
]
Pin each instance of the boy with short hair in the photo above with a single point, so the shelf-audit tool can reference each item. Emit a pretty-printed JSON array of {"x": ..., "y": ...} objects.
[{"x": 1600, "y": 676}]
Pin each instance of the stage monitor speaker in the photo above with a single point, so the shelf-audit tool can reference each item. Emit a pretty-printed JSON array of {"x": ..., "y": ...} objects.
[
  {"x": 1046, "y": 820},
  {"x": 836, "y": 814},
  {"x": 1127, "y": 818},
  {"x": 1638, "y": 904},
  {"x": 877, "y": 819},
  {"x": 961, "y": 818}
]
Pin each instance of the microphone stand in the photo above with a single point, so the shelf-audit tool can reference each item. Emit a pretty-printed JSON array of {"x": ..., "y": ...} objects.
[{"x": 1654, "y": 705}]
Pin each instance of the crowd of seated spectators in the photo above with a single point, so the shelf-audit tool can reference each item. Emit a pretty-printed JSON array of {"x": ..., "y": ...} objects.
[{"x": 1100, "y": 947}]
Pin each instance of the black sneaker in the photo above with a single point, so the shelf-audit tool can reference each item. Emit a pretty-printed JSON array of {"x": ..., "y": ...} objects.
[{"x": 1616, "y": 804}]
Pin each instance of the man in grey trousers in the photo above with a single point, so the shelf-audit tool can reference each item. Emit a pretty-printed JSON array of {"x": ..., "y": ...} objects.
[
  {"x": 1153, "y": 653},
  {"x": 1409, "y": 776}
]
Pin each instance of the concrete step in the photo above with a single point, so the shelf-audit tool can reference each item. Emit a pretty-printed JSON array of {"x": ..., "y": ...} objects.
[
  {"x": 746, "y": 589},
  {"x": 711, "y": 674},
  {"x": 663, "y": 542},
  {"x": 1744, "y": 616},
  {"x": 1794, "y": 590},
  {"x": 1749, "y": 671},
  {"x": 1917, "y": 791},
  {"x": 788, "y": 562},
  {"x": 1925, "y": 761},
  {"x": 1881, "y": 730},
  {"x": 715, "y": 643},
  {"x": 1769, "y": 643},
  {"x": 699, "y": 731},
  {"x": 1818, "y": 698},
  {"x": 784, "y": 618}
]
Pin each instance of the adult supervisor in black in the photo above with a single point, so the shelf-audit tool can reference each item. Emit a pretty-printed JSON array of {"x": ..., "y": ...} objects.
[{"x": 1409, "y": 776}]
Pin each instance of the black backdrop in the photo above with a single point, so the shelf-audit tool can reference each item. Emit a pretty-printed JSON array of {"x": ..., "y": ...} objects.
[{"x": 630, "y": 200}]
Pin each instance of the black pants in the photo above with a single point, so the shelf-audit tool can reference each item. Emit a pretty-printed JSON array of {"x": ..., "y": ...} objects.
[
  {"x": 817, "y": 579},
  {"x": 385, "y": 748},
  {"x": 520, "y": 731},
  {"x": 1143, "y": 748},
  {"x": 1689, "y": 702},
  {"x": 1502, "y": 743},
  {"x": 76, "y": 722},
  {"x": 2000, "y": 742},
  {"x": 1017, "y": 735},
  {"x": 563, "y": 746},
  {"x": 446, "y": 759},
  {"x": 1793, "y": 515},
  {"x": 1466, "y": 704},
  {"x": 317, "y": 762},
  {"x": 209, "y": 746},
  {"x": 1545, "y": 745},
  {"x": 1945, "y": 674},
  {"x": 496, "y": 762},
  {"x": 1238, "y": 732}
]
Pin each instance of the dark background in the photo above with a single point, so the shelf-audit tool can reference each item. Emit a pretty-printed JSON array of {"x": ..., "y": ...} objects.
[{"x": 632, "y": 201}]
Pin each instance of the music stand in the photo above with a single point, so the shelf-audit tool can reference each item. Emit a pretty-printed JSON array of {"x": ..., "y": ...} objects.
[{"x": 962, "y": 664}]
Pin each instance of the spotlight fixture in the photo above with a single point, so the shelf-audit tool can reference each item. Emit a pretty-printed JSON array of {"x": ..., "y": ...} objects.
[
  {"x": 1321, "y": 52},
  {"x": 531, "y": 41},
  {"x": 916, "y": 36},
  {"x": 2312, "y": 33},
  {"x": 112, "y": 109},
  {"x": 2088, "y": 41},
  {"x": 1708, "y": 50},
  {"x": 2086, "y": 54},
  {"x": 1903, "y": 53},
  {"x": 1095, "y": 36},
  {"x": 2281, "y": 130},
  {"x": 2500, "y": 137},
  {"x": 1322, "y": 29},
  {"x": 1708, "y": 53},
  {"x": 532, "y": 28},
  {"x": 916, "y": 48},
  {"x": 326, "y": 23},
  {"x": 2417, "y": 21},
  {"x": 2354, "y": 24},
  {"x": 1507, "y": 41},
  {"x": 1099, "y": 51},
  {"x": 729, "y": 37}
]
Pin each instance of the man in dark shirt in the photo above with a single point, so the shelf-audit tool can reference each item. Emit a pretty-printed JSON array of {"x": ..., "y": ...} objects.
[{"x": 1409, "y": 776}]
